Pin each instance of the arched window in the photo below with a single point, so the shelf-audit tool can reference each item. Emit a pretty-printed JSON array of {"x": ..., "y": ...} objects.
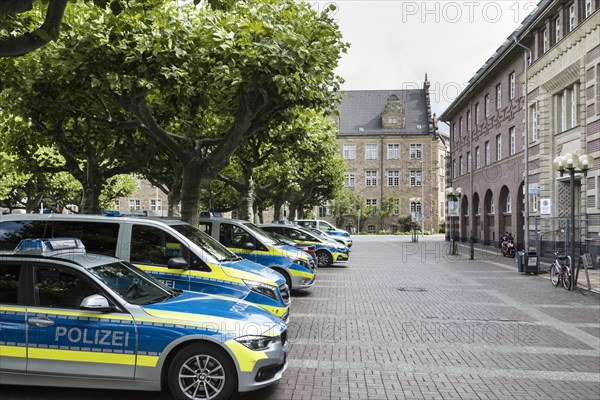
[{"x": 508, "y": 204}]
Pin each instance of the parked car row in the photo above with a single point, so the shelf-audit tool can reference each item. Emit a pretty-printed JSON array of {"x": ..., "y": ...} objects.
[{"x": 142, "y": 303}]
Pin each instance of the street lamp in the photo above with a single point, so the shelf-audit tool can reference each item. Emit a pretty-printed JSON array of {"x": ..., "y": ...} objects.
[
  {"x": 573, "y": 163},
  {"x": 414, "y": 201},
  {"x": 453, "y": 195}
]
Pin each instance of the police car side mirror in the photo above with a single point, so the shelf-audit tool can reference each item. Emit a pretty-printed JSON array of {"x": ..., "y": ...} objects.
[
  {"x": 249, "y": 246},
  {"x": 178, "y": 263},
  {"x": 96, "y": 302}
]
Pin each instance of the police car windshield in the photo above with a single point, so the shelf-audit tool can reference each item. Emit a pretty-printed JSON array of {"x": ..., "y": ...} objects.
[
  {"x": 206, "y": 243},
  {"x": 131, "y": 284},
  {"x": 262, "y": 235}
]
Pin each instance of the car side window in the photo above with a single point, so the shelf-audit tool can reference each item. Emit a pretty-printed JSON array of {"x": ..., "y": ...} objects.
[
  {"x": 9, "y": 283},
  {"x": 292, "y": 234},
  {"x": 205, "y": 227},
  {"x": 58, "y": 287},
  {"x": 97, "y": 237},
  {"x": 234, "y": 236},
  {"x": 151, "y": 245}
]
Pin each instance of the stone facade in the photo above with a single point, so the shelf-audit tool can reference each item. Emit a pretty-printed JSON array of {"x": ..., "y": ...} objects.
[
  {"x": 146, "y": 198},
  {"x": 563, "y": 116},
  {"x": 393, "y": 154}
]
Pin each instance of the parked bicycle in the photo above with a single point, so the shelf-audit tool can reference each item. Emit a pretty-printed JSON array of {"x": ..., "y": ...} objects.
[{"x": 561, "y": 270}]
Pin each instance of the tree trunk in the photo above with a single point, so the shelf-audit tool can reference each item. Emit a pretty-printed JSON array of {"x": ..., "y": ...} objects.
[
  {"x": 277, "y": 209},
  {"x": 90, "y": 201},
  {"x": 190, "y": 194},
  {"x": 248, "y": 194},
  {"x": 174, "y": 198}
]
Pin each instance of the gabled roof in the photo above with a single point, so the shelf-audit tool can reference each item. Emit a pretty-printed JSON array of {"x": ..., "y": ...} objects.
[{"x": 360, "y": 112}]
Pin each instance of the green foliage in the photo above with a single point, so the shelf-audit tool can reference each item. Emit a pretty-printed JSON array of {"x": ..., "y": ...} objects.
[
  {"x": 347, "y": 204},
  {"x": 405, "y": 223},
  {"x": 115, "y": 187}
]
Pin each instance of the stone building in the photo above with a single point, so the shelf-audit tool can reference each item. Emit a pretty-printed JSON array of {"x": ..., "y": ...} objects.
[
  {"x": 393, "y": 155},
  {"x": 487, "y": 136},
  {"x": 146, "y": 199}
]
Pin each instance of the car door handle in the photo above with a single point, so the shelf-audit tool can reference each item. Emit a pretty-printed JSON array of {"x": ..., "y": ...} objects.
[{"x": 40, "y": 322}]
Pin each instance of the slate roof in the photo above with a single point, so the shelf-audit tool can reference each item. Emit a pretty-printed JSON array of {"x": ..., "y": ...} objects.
[{"x": 362, "y": 109}]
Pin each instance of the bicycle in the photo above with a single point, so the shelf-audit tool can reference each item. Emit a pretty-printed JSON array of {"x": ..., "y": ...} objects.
[{"x": 561, "y": 271}]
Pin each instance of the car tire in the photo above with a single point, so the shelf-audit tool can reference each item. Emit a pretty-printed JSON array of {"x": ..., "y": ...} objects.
[
  {"x": 202, "y": 368},
  {"x": 324, "y": 258}
]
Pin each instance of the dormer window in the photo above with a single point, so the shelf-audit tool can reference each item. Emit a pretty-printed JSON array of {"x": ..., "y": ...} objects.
[{"x": 392, "y": 116}]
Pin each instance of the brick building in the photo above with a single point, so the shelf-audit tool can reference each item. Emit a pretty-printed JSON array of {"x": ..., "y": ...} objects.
[
  {"x": 392, "y": 154},
  {"x": 487, "y": 120}
]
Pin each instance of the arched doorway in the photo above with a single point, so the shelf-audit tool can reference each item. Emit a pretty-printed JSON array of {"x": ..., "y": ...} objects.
[
  {"x": 464, "y": 219},
  {"x": 504, "y": 212},
  {"x": 519, "y": 229},
  {"x": 488, "y": 218},
  {"x": 477, "y": 229}
]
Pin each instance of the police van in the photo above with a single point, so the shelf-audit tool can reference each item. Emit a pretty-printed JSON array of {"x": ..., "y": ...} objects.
[
  {"x": 150, "y": 244},
  {"x": 76, "y": 319},
  {"x": 340, "y": 235},
  {"x": 247, "y": 240}
]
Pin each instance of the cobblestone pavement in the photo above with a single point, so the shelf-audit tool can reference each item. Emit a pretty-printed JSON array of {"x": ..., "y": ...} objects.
[{"x": 405, "y": 321}]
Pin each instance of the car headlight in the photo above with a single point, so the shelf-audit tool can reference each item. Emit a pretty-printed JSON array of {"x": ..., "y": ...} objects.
[
  {"x": 303, "y": 263},
  {"x": 256, "y": 342},
  {"x": 262, "y": 288}
]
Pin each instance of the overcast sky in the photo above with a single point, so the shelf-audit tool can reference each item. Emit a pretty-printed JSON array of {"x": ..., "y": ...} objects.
[{"x": 394, "y": 43}]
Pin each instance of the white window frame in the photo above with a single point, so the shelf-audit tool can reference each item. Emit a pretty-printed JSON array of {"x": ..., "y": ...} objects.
[
  {"x": 572, "y": 17},
  {"x": 468, "y": 162},
  {"x": 416, "y": 151},
  {"x": 533, "y": 117},
  {"x": 155, "y": 204},
  {"x": 545, "y": 40},
  {"x": 393, "y": 178},
  {"x": 476, "y": 114},
  {"x": 557, "y": 36},
  {"x": 486, "y": 105},
  {"x": 371, "y": 202},
  {"x": 371, "y": 178},
  {"x": 349, "y": 152},
  {"x": 488, "y": 153},
  {"x": 492, "y": 206},
  {"x": 513, "y": 140},
  {"x": 460, "y": 166},
  {"x": 477, "y": 158},
  {"x": 135, "y": 204},
  {"x": 416, "y": 178},
  {"x": 416, "y": 207},
  {"x": 498, "y": 147},
  {"x": 469, "y": 121},
  {"x": 392, "y": 120},
  {"x": 512, "y": 85},
  {"x": 350, "y": 179},
  {"x": 498, "y": 96},
  {"x": 396, "y": 206},
  {"x": 393, "y": 151},
  {"x": 509, "y": 204},
  {"x": 588, "y": 8},
  {"x": 371, "y": 151}
]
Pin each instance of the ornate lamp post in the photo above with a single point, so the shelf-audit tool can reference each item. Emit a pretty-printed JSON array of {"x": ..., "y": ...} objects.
[
  {"x": 573, "y": 163},
  {"x": 453, "y": 195},
  {"x": 413, "y": 202}
]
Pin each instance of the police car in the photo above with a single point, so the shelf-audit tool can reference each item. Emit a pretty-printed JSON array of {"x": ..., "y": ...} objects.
[{"x": 73, "y": 319}]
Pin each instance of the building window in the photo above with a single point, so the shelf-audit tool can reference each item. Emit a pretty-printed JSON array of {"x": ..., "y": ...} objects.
[
  {"x": 544, "y": 40},
  {"x": 498, "y": 147},
  {"x": 557, "y": 36},
  {"x": 117, "y": 204},
  {"x": 460, "y": 127},
  {"x": 371, "y": 178},
  {"x": 468, "y": 161},
  {"x": 349, "y": 153},
  {"x": 513, "y": 140},
  {"x": 393, "y": 151},
  {"x": 487, "y": 153},
  {"x": 394, "y": 228},
  {"x": 454, "y": 170},
  {"x": 468, "y": 121},
  {"x": 572, "y": 17},
  {"x": 416, "y": 151},
  {"x": 392, "y": 120},
  {"x": 498, "y": 96},
  {"x": 415, "y": 178},
  {"x": 486, "y": 105},
  {"x": 371, "y": 228},
  {"x": 460, "y": 163},
  {"x": 512, "y": 85},
  {"x": 155, "y": 204},
  {"x": 492, "y": 207},
  {"x": 588, "y": 8},
  {"x": 415, "y": 207},
  {"x": 350, "y": 179},
  {"x": 477, "y": 158},
  {"x": 394, "y": 178},
  {"x": 566, "y": 101},
  {"x": 535, "y": 200},
  {"x": 396, "y": 206},
  {"x": 508, "y": 204},
  {"x": 371, "y": 202},
  {"x": 454, "y": 131},
  {"x": 476, "y": 114},
  {"x": 323, "y": 211},
  {"x": 135, "y": 205},
  {"x": 533, "y": 121},
  {"x": 371, "y": 151}
]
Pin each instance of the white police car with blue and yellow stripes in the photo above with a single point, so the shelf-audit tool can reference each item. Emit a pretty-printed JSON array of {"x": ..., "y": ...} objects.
[{"x": 73, "y": 319}]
